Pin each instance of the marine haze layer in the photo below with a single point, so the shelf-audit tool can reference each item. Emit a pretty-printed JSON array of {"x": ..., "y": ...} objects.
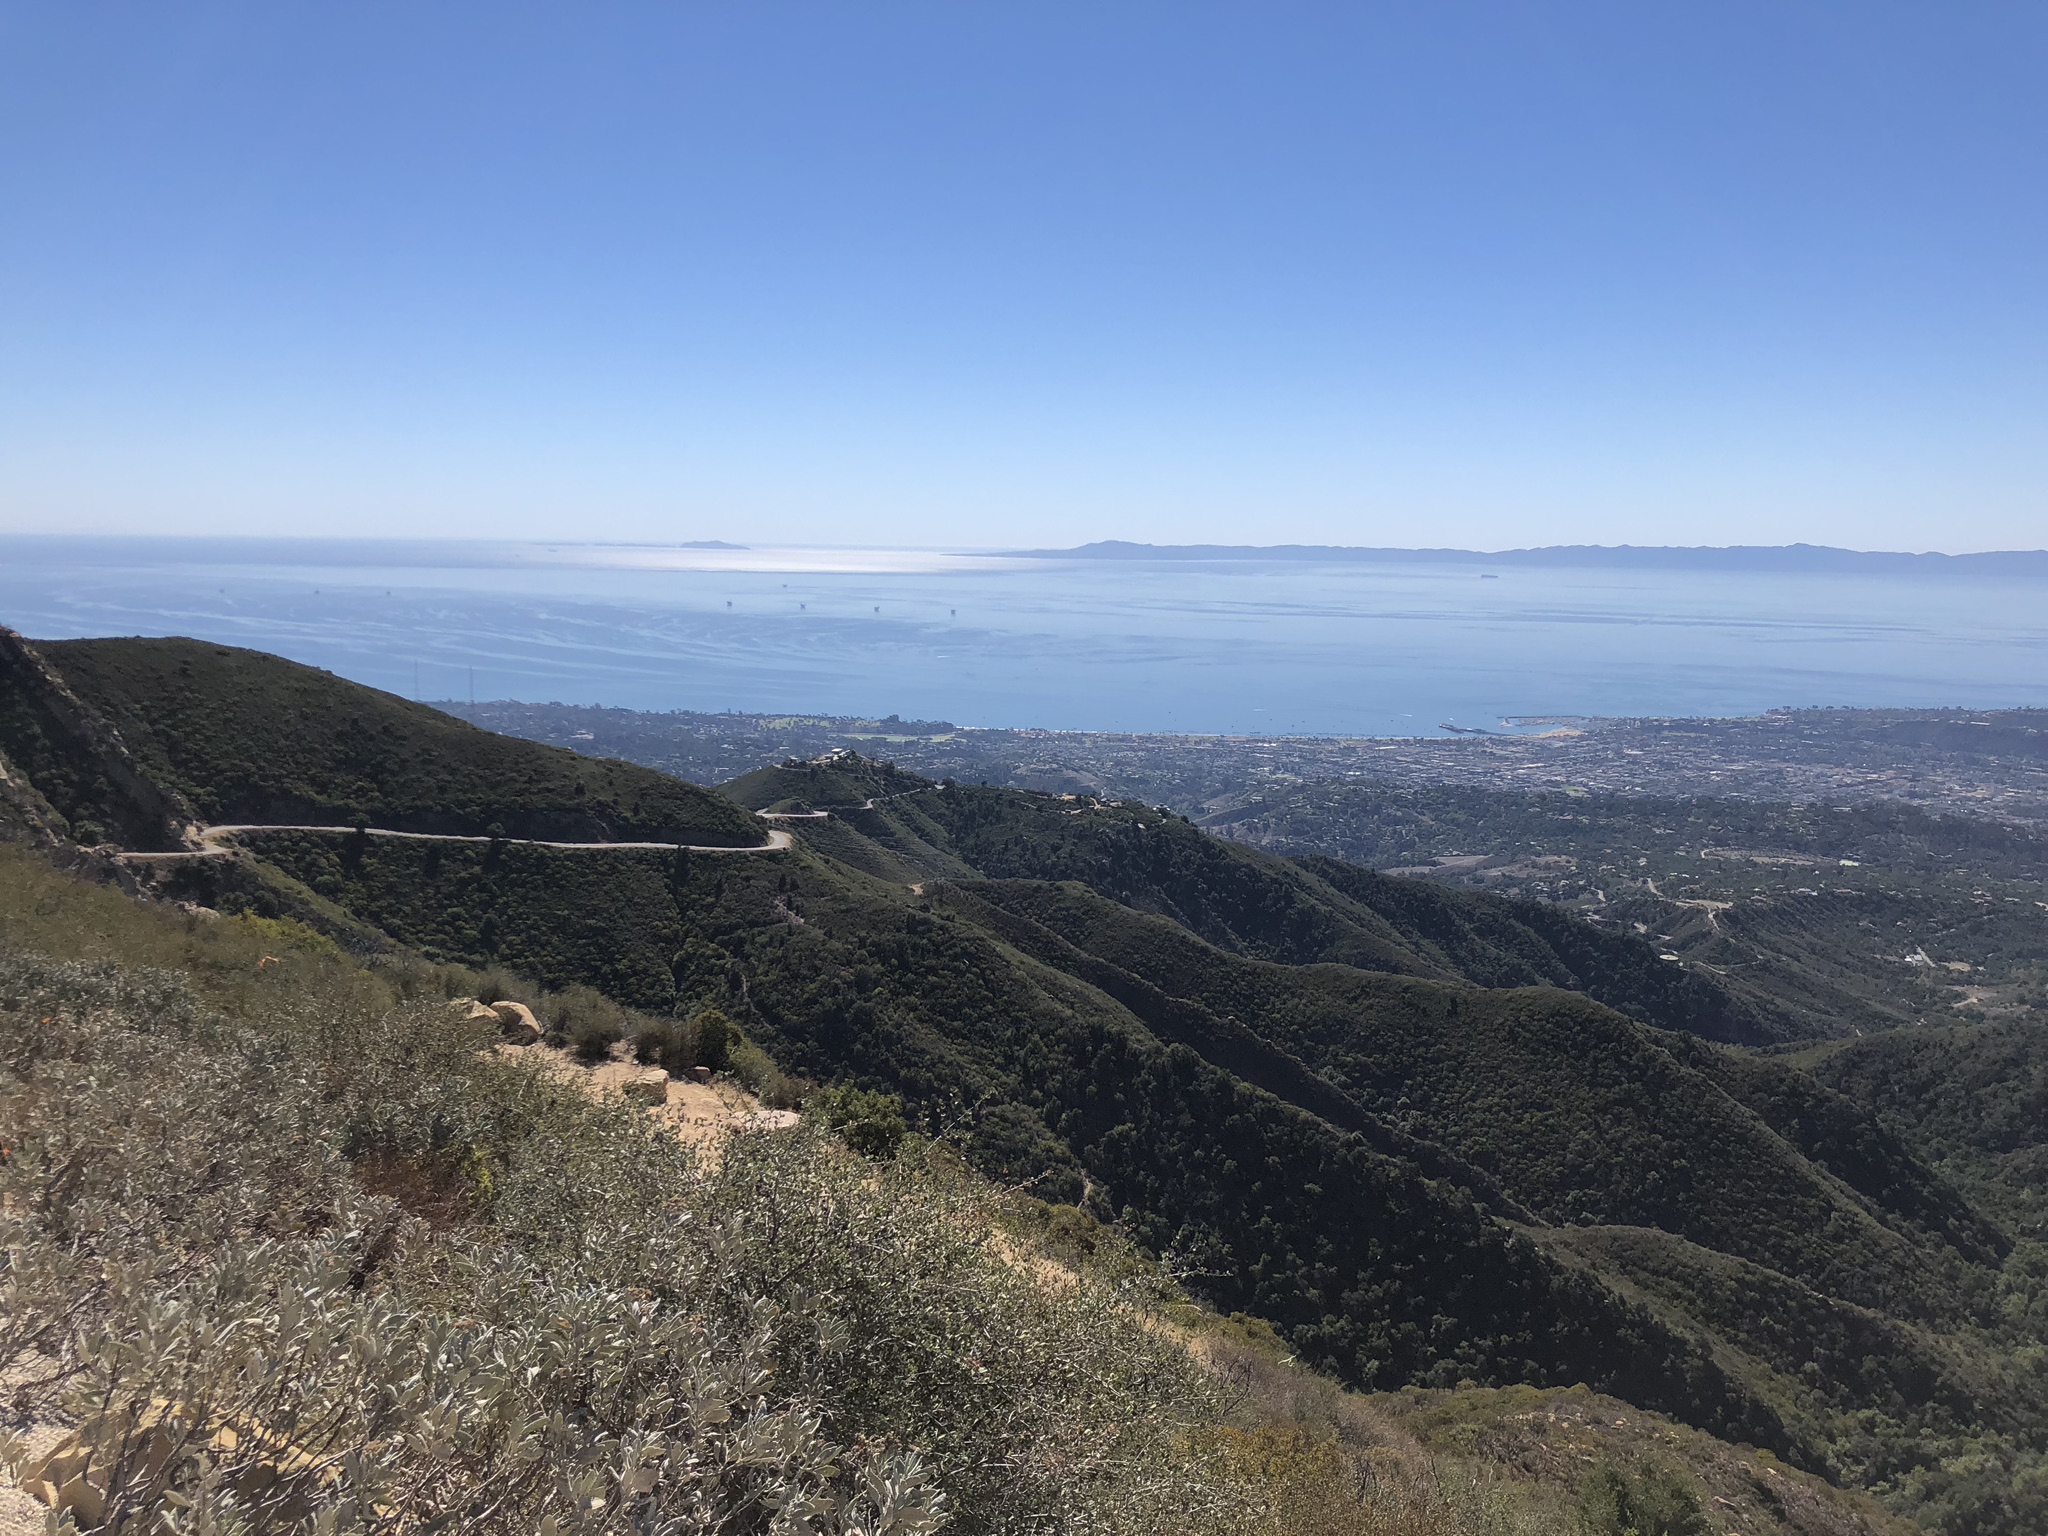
[{"x": 1297, "y": 641}]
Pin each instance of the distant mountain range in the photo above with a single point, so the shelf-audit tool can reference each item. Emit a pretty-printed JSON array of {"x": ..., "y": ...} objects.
[{"x": 1794, "y": 558}]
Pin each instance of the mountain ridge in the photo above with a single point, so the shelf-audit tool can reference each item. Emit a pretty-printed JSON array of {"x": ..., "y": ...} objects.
[{"x": 1789, "y": 558}]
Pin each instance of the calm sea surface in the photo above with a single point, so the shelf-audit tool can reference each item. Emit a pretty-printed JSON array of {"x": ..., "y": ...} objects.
[{"x": 1230, "y": 647}]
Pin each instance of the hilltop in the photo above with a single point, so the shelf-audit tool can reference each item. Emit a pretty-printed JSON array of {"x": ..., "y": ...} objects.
[{"x": 241, "y": 736}]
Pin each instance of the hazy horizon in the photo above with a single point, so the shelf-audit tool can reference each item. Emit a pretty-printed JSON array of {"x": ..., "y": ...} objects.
[
  {"x": 710, "y": 547},
  {"x": 1248, "y": 645}
]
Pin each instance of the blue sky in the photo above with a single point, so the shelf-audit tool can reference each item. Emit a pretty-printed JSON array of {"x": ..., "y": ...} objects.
[{"x": 985, "y": 274}]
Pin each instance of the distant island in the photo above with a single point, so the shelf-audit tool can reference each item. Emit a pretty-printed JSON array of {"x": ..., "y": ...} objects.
[{"x": 1795, "y": 558}]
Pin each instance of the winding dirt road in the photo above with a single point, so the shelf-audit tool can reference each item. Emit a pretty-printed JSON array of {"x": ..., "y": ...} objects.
[
  {"x": 213, "y": 841},
  {"x": 869, "y": 804}
]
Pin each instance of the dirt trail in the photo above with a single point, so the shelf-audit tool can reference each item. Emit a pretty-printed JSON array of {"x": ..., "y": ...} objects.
[
  {"x": 869, "y": 804},
  {"x": 699, "y": 1114},
  {"x": 214, "y": 841}
]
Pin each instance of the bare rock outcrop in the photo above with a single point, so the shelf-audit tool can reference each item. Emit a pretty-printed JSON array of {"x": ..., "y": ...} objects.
[{"x": 516, "y": 1022}]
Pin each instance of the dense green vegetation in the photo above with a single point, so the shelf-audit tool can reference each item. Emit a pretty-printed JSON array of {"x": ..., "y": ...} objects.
[
  {"x": 247, "y": 737},
  {"x": 1572, "y": 1111},
  {"x": 64, "y": 773},
  {"x": 844, "y": 979},
  {"x": 1429, "y": 1136},
  {"x": 1116, "y": 1058},
  {"x": 1308, "y": 910},
  {"x": 1972, "y": 1098}
]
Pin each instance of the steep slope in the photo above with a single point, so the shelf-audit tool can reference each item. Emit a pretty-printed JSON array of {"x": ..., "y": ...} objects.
[
  {"x": 25, "y": 816},
  {"x": 1380, "y": 1251},
  {"x": 1853, "y": 1142},
  {"x": 1578, "y": 1115},
  {"x": 1499, "y": 942},
  {"x": 1972, "y": 1097},
  {"x": 331, "y": 1100},
  {"x": 248, "y": 737},
  {"x": 69, "y": 761},
  {"x": 1892, "y": 1404}
]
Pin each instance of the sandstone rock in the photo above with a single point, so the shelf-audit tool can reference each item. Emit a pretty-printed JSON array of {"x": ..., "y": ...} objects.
[
  {"x": 516, "y": 1022},
  {"x": 73, "y": 1480}
]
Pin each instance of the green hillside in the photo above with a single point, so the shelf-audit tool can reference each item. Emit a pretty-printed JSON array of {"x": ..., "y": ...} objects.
[
  {"x": 1302, "y": 911},
  {"x": 68, "y": 772},
  {"x": 1052, "y": 1080},
  {"x": 1973, "y": 1098},
  {"x": 1579, "y": 1115},
  {"x": 247, "y": 737},
  {"x": 1332, "y": 1149},
  {"x": 380, "y": 1267},
  {"x": 1430, "y": 1136},
  {"x": 1505, "y": 943}
]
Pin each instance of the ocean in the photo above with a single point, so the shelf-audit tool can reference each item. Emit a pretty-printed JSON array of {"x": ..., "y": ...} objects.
[{"x": 1233, "y": 647}]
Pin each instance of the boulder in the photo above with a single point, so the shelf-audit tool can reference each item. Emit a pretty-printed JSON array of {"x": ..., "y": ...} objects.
[{"x": 516, "y": 1022}]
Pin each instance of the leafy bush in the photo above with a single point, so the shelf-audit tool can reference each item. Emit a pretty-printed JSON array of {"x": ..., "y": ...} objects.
[
  {"x": 670, "y": 1044},
  {"x": 717, "y": 1035},
  {"x": 870, "y": 1123},
  {"x": 577, "y": 1004},
  {"x": 497, "y": 985},
  {"x": 1654, "y": 1502},
  {"x": 614, "y": 1336},
  {"x": 592, "y": 1039},
  {"x": 761, "y": 1077}
]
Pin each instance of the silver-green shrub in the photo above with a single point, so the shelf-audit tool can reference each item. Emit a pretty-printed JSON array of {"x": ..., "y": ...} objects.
[{"x": 578, "y": 1326}]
